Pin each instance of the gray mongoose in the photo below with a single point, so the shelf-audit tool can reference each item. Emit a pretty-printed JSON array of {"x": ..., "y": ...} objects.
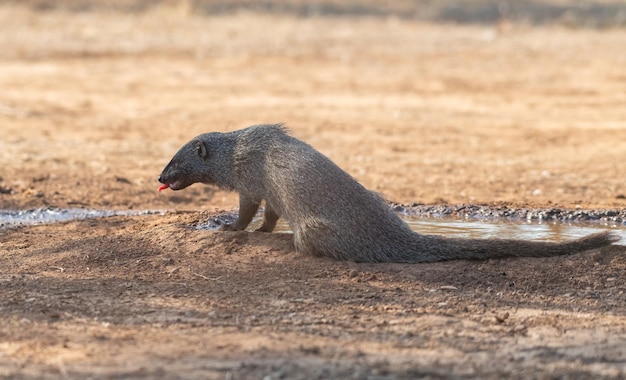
[{"x": 330, "y": 213}]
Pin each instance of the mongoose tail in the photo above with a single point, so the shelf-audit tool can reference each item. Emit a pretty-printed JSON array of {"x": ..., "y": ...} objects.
[{"x": 481, "y": 249}]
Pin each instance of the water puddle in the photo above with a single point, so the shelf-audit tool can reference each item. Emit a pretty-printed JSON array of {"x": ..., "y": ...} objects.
[
  {"x": 498, "y": 227},
  {"x": 16, "y": 218},
  {"x": 461, "y": 228},
  {"x": 485, "y": 229}
]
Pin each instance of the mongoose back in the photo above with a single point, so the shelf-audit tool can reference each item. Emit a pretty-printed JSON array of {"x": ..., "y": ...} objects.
[{"x": 330, "y": 213}]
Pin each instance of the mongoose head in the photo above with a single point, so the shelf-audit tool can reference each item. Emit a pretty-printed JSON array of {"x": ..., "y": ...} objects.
[{"x": 188, "y": 166}]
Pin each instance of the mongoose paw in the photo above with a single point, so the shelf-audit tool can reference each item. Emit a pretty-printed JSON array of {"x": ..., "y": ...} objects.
[{"x": 262, "y": 229}]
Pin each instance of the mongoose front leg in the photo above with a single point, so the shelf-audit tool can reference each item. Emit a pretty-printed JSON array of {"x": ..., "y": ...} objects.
[
  {"x": 247, "y": 210},
  {"x": 269, "y": 220}
]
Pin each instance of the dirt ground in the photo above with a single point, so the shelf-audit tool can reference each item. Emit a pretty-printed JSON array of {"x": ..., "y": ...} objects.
[{"x": 93, "y": 104}]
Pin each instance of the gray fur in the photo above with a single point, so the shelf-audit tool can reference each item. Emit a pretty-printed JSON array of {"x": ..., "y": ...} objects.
[{"x": 330, "y": 213}]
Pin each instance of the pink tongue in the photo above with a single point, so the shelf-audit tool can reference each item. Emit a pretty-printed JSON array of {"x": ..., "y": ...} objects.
[{"x": 163, "y": 187}]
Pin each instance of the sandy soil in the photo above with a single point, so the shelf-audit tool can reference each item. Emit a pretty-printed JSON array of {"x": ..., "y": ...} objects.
[{"x": 94, "y": 103}]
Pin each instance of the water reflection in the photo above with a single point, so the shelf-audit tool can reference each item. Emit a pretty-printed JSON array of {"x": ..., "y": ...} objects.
[
  {"x": 479, "y": 229},
  {"x": 12, "y": 218},
  {"x": 553, "y": 231}
]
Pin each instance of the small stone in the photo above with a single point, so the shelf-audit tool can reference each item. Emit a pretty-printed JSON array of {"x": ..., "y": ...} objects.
[{"x": 500, "y": 318}]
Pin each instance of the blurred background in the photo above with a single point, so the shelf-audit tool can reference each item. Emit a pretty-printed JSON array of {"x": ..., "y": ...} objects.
[
  {"x": 517, "y": 102},
  {"x": 600, "y": 13}
]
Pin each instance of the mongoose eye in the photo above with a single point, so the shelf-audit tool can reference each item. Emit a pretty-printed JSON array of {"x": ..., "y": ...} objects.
[{"x": 201, "y": 149}]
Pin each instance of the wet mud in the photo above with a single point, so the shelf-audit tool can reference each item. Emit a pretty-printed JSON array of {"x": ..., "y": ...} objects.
[{"x": 607, "y": 217}]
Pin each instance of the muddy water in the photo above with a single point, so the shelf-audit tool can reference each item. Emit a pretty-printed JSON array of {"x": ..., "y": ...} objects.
[
  {"x": 15, "y": 218},
  {"x": 506, "y": 228},
  {"x": 481, "y": 229},
  {"x": 553, "y": 231}
]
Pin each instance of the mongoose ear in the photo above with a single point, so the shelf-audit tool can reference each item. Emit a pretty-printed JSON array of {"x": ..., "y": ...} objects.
[{"x": 201, "y": 149}]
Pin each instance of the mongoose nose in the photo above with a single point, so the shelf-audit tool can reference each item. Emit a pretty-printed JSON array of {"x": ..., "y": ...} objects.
[{"x": 159, "y": 179}]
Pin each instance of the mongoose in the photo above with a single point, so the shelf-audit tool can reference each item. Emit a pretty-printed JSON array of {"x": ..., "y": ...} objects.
[{"x": 330, "y": 213}]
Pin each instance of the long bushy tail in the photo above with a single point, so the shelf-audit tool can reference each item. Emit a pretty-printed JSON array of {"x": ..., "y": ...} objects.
[{"x": 442, "y": 248}]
